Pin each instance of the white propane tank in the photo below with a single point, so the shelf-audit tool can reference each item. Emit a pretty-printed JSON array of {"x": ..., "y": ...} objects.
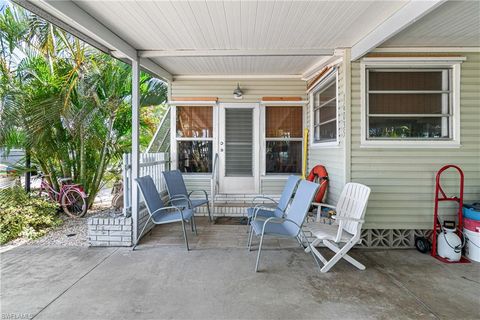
[{"x": 449, "y": 245}]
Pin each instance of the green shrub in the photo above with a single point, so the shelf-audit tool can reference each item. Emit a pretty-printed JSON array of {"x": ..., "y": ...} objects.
[{"x": 25, "y": 215}]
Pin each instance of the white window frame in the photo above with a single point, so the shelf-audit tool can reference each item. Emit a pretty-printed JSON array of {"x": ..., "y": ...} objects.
[
  {"x": 320, "y": 86},
  {"x": 264, "y": 139},
  {"x": 174, "y": 139},
  {"x": 453, "y": 63}
]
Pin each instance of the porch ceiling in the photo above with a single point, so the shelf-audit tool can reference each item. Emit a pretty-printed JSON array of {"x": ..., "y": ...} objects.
[
  {"x": 240, "y": 37},
  {"x": 258, "y": 37},
  {"x": 258, "y": 65}
]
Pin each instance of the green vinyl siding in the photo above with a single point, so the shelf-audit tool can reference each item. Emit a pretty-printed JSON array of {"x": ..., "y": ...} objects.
[
  {"x": 333, "y": 158},
  {"x": 253, "y": 89},
  {"x": 403, "y": 179}
]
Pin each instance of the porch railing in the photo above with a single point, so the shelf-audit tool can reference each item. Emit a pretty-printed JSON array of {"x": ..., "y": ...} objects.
[{"x": 150, "y": 164}]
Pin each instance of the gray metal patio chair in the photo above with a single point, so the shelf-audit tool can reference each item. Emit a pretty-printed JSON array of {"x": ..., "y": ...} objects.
[
  {"x": 292, "y": 225},
  {"x": 263, "y": 211},
  {"x": 159, "y": 213},
  {"x": 177, "y": 191}
]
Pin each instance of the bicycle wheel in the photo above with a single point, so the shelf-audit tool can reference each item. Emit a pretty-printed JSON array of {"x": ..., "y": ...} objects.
[{"x": 73, "y": 203}]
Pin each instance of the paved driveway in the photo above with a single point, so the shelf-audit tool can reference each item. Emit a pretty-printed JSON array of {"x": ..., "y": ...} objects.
[{"x": 166, "y": 282}]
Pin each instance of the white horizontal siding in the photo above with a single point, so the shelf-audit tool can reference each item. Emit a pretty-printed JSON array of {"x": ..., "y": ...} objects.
[
  {"x": 197, "y": 183},
  {"x": 271, "y": 186},
  {"x": 403, "y": 180},
  {"x": 268, "y": 186}
]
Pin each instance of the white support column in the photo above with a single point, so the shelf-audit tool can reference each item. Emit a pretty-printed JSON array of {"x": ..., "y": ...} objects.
[{"x": 135, "y": 143}]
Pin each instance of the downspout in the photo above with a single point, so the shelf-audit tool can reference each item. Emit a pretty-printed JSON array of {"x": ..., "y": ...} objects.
[
  {"x": 305, "y": 153},
  {"x": 347, "y": 76}
]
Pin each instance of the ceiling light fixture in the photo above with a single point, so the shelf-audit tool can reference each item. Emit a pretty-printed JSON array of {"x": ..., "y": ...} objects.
[{"x": 238, "y": 93}]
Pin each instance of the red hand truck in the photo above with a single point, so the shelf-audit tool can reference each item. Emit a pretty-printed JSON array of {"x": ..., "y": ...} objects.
[{"x": 440, "y": 196}]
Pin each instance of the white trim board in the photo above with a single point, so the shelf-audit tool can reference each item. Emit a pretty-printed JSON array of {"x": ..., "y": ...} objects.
[
  {"x": 425, "y": 49},
  {"x": 236, "y": 76},
  {"x": 283, "y": 103},
  {"x": 408, "y": 60},
  {"x": 192, "y": 103},
  {"x": 401, "y": 19},
  {"x": 309, "y": 52},
  {"x": 320, "y": 81},
  {"x": 312, "y": 71}
]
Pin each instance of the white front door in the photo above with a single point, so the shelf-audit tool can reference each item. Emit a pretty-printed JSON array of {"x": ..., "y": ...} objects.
[{"x": 238, "y": 147}]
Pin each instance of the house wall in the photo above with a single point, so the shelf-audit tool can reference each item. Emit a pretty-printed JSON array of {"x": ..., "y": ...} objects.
[
  {"x": 333, "y": 158},
  {"x": 254, "y": 90},
  {"x": 402, "y": 179}
]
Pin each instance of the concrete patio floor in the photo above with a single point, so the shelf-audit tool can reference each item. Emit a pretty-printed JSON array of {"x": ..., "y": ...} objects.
[{"x": 161, "y": 280}]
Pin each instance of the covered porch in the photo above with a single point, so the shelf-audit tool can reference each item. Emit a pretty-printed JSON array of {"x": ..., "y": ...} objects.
[
  {"x": 246, "y": 78},
  {"x": 213, "y": 282},
  {"x": 277, "y": 69}
]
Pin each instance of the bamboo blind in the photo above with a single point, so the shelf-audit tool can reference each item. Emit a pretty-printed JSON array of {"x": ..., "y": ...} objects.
[
  {"x": 194, "y": 121},
  {"x": 284, "y": 122}
]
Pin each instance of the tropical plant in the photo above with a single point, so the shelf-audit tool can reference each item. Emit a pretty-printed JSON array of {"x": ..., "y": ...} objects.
[
  {"x": 66, "y": 103},
  {"x": 25, "y": 215}
]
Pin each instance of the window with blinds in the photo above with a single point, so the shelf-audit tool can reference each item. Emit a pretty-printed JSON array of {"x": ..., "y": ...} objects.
[
  {"x": 194, "y": 121},
  {"x": 408, "y": 104},
  {"x": 194, "y": 138},
  {"x": 283, "y": 135},
  {"x": 238, "y": 142},
  {"x": 325, "y": 111}
]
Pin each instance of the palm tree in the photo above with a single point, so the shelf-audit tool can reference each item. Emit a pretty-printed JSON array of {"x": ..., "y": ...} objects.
[{"x": 66, "y": 102}]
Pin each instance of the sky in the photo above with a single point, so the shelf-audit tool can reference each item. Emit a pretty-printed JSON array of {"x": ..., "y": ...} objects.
[{"x": 3, "y": 4}]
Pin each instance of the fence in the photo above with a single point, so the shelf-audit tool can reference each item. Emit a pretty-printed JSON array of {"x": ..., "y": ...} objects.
[{"x": 151, "y": 164}]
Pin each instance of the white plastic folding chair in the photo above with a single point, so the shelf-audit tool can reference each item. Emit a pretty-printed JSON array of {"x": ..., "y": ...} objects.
[{"x": 350, "y": 212}]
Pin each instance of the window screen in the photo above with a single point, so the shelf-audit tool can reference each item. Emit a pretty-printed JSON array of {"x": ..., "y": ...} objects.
[
  {"x": 284, "y": 131},
  {"x": 408, "y": 104}
]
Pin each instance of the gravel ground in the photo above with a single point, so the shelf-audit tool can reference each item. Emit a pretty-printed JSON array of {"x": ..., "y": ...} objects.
[{"x": 73, "y": 232}]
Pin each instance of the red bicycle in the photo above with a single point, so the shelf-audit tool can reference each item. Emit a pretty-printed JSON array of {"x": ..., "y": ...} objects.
[{"x": 71, "y": 197}]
